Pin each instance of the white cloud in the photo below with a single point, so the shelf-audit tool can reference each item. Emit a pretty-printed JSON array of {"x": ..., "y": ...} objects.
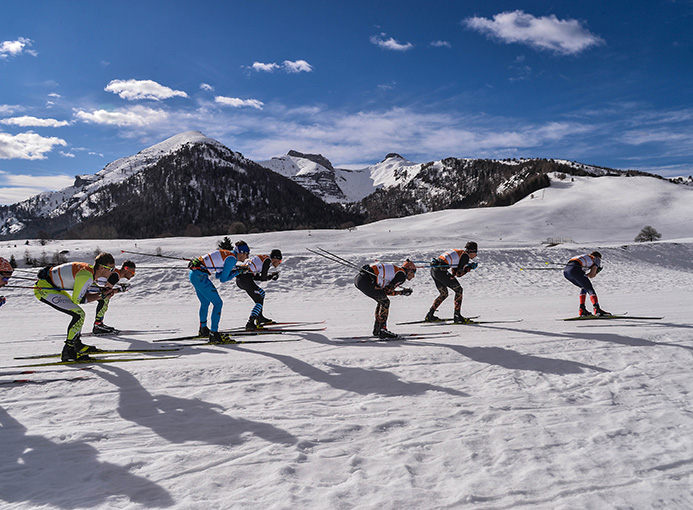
[
  {"x": 67, "y": 154},
  {"x": 239, "y": 103},
  {"x": 266, "y": 68},
  {"x": 289, "y": 66},
  {"x": 390, "y": 44},
  {"x": 27, "y": 121},
  {"x": 565, "y": 37},
  {"x": 14, "y": 48},
  {"x": 142, "y": 89},
  {"x": 206, "y": 86},
  {"x": 9, "y": 109},
  {"x": 135, "y": 116},
  {"x": 297, "y": 66},
  {"x": 27, "y": 145},
  {"x": 441, "y": 44}
]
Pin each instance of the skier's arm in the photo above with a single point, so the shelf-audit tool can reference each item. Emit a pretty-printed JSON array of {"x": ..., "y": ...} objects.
[
  {"x": 230, "y": 271},
  {"x": 399, "y": 279},
  {"x": 262, "y": 277}
]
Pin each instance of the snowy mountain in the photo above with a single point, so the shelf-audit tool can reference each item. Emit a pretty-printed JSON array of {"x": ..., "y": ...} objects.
[
  {"x": 192, "y": 183},
  {"x": 189, "y": 182}
]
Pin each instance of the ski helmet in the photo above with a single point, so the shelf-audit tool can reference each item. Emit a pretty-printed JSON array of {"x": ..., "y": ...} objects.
[
  {"x": 409, "y": 266},
  {"x": 471, "y": 246},
  {"x": 5, "y": 266},
  {"x": 276, "y": 254}
]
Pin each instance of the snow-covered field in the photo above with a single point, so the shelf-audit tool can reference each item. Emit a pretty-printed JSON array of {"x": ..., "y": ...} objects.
[{"x": 534, "y": 414}]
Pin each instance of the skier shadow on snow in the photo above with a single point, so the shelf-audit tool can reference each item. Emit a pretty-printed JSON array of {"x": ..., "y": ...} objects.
[
  {"x": 66, "y": 475},
  {"x": 601, "y": 337},
  {"x": 514, "y": 360},
  {"x": 179, "y": 420},
  {"x": 364, "y": 381}
]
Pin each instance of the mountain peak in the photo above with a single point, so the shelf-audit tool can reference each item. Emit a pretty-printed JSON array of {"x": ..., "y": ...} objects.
[
  {"x": 315, "y": 158},
  {"x": 392, "y": 155}
]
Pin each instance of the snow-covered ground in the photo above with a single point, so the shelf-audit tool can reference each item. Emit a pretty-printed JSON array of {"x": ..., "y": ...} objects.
[{"x": 534, "y": 414}]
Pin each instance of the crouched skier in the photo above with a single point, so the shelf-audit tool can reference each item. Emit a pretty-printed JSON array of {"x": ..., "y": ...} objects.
[
  {"x": 378, "y": 281},
  {"x": 257, "y": 269},
  {"x": 52, "y": 289}
]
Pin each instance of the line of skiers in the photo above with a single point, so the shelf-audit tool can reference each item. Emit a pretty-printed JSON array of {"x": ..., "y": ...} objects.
[{"x": 102, "y": 280}]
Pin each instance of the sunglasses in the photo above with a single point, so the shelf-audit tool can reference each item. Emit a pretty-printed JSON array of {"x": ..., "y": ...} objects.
[{"x": 110, "y": 268}]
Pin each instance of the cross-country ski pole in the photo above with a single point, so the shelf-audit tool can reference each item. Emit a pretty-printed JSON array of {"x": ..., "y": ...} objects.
[
  {"x": 339, "y": 260},
  {"x": 154, "y": 255}
]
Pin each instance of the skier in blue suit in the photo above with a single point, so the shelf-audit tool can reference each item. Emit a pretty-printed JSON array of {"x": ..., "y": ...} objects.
[{"x": 223, "y": 264}]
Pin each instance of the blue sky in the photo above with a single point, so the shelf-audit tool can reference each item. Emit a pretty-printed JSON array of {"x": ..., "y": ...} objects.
[{"x": 83, "y": 83}]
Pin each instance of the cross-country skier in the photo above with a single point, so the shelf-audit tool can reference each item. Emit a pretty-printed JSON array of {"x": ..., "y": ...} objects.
[
  {"x": 459, "y": 262},
  {"x": 6, "y": 271},
  {"x": 223, "y": 264},
  {"x": 579, "y": 271},
  {"x": 52, "y": 288},
  {"x": 257, "y": 270},
  {"x": 378, "y": 281},
  {"x": 127, "y": 272}
]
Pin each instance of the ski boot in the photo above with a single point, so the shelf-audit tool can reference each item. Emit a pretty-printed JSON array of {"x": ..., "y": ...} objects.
[
  {"x": 264, "y": 321},
  {"x": 599, "y": 312},
  {"x": 203, "y": 332},
  {"x": 82, "y": 349},
  {"x": 459, "y": 319},
  {"x": 101, "y": 329},
  {"x": 584, "y": 312},
  {"x": 431, "y": 317},
  {"x": 72, "y": 353},
  {"x": 384, "y": 334},
  {"x": 251, "y": 325},
  {"x": 219, "y": 338}
]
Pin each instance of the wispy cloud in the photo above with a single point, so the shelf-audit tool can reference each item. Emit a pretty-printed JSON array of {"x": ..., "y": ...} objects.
[
  {"x": 239, "y": 103},
  {"x": 17, "y": 187},
  {"x": 566, "y": 37},
  {"x": 15, "y": 48},
  {"x": 390, "y": 43},
  {"x": 134, "y": 116},
  {"x": 27, "y": 121},
  {"x": 133, "y": 90},
  {"x": 289, "y": 66},
  {"x": 206, "y": 86},
  {"x": 27, "y": 145},
  {"x": 441, "y": 44}
]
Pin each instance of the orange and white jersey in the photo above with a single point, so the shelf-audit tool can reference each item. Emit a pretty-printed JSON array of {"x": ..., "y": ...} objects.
[
  {"x": 587, "y": 261},
  {"x": 452, "y": 257},
  {"x": 385, "y": 273},
  {"x": 255, "y": 264},
  {"x": 77, "y": 276},
  {"x": 214, "y": 262}
]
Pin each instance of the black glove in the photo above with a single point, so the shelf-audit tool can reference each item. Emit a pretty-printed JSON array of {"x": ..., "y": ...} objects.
[
  {"x": 273, "y": 276},
  {"x": 405, "y": 292},
  {"x": 471, "y": 265},
  {"x": 194, "y": 264}
]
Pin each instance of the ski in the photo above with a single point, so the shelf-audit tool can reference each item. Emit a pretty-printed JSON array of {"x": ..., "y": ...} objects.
[
  {"x": 231, "y": 341},
  {"x": 242, "y": 332},
  {"x": 272, "y": 329},
  {"x": 474, "y": 323},
  {"x": 28, "y": 372},
  {"x": 434, "y": 322},
  {"x": 44, "y": 381},
  {"x": 92, "y": 361},
  {"x": 403, "y": 336},
  {"x": 101, "y": 351},
  {"x": 297, "y": 323},
  {"x": 606, "y": 317}
]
